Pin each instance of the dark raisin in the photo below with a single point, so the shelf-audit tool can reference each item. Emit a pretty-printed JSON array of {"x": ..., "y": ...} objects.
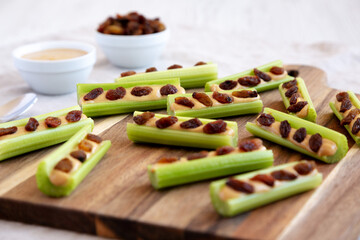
[
  {"x": 277, "y": 70},
  {"x": 152, "y": 69},
  {"x": 293, "y": 99},
  {"x": 297, "y": 106},
  {"x": 218, "y": 126},
  {"x": 228, "y": 85},
  {"x": 222, "y": 97},
  {"x": 143, "y": 118},
  {"x": 266, "y": 179},
  {"x": 175, "y": 66},
  {"x": 293, "y": 73},
  {"x": 167, "y": 160},
  {"x": 65, "y": 165},
  {"x": 200, "y": 63},
  {"x": 341, "y": 96},
  {"x": 166, "y": 122},
  {"x": 283, "y": 175},
  {"x": 79, "y": 155},
  {"x": 262, "y": 75},
  {"x": 192, "y": 123},
  {"x": 128, "y": 73},
  {"x": 350, "y": 116},
  {"x": 85, "y": 145},
  {"x": 304, "y": 168},
  {"x": 265, "y": 119},
  {"x": 168, "y": 89},
  {"x": 249, "y": 81},
  {"x": 184, "y": 101},
  {"x": 291, "y": 91},
  {"x": 32, "y": 125},
  {"x": 74, "y": 116},
  {"x": 245, "y": 94},
  {"x": 315, "y": 142},
  {"x": 203, "y": 98},
  {"x": 7, "y": 131},
  {"x": 93, "y": 94},
  {"x": 193, "y": 156},
  {"x": 300, "y": 135},
  {"x": 224, "y": 150},
  {"x": 239, "y": 185},
  {"x": 94, "y": 138},
  {"x": 289, "y": 84},
  {"x": 345, "y": 105},
  {"x": 52, "y": 122},
  {"x": 116, "y": 94},
  {"x": 250, "y": 145},
  {"x": 141, "y": 91},
  {"x": 285, "y": 129},
  {"x": 356, "y": 127}
]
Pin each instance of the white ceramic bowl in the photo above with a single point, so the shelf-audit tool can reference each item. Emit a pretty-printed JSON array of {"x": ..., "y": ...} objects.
[
  {"x": 55, "y": 76},
  {"x": 133, "y": 51}
]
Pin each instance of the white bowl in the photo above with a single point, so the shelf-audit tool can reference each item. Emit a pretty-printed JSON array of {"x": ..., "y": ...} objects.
[
  {"x": 55, "y": 76},
  {"x": 132, "y": 51}
]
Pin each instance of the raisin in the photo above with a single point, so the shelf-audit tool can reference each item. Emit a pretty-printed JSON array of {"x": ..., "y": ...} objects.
[
  {"x": 350, "y": 116},
  {"x": 203, "y": 98},
  {"x": 293, "y": 73},
  {"x": 291, "y": 91},
  {"x": 304, "y": 168},
  {"x": 52, "y": 122},
  {"x": 315, "y": 142},
  {"x": 262, "y": 75},
  {"x": 141, "y": 91},
  {"x": 93, "y": 94},
  {"x": 289, "y": 84},
  {"x": 192, "y": 123},
  {"x": 65, "y": 165},
  {"x": 222, "y": 97},
  {"x": 250, "y": 145},
  {"x": 228, "y": 85},
  {"x": 200, "y": 63},
  {"x": 116, "y": 94},
  {"x": 283, "y": 175},
  {"x": 356, "y": 127},
  {"x": 193, "y": 156},
  {"x": 175, "y": 66},
  {"x": 239, "y": 185},
  {"x": 73, "y": 116},
  {"x": 128, "y": 73},
  {"x": 218, "y": 126},
  {"x": 166, "y": 122},
  {"x": 7, "y": 131},
  {"x": 152, "y": 69},
  {"x": 297, "y": 106},
  {"x": 342, "y": 96},
  {"x": 300, "y": 135},
  {"x": 167, "y": 160},
  {"x": 184, "y": 101},
  {"x": 265, "y": 119},
  {"x": 266, "y": 179},
  {"x": 168, "y": 89},
  {"x": 277, "y": 70},
  {"x": 224, "y": 150},
  {"x": 32, "y": 125},
  {"x": 345, "y": 105},
  {"x": 85, "y": 145},
  {"x": 249, "y": 81},
  {"x": 245, "y": 94},
  {"x": 143, "y": 118},
  {"x": 285, "y": 129},
  {"x": 94, "y": 138},
  {"x": 293, "y": 99},
  {"x": 79, "y": 155}
]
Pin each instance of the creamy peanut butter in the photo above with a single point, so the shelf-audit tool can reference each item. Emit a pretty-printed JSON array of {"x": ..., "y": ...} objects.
[{"x": 55, "y": 54}]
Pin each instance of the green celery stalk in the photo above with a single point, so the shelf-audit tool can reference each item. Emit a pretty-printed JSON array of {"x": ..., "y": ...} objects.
[
  {"x": 121, "y": 106},
  {"x": 261, "y": 87},
  {"x": 311, "y": 128},
  {"x": 142, "y": 133},
  {"x": 40, "y": 139},
  {"x": 355, "y": 101},
  {"x": 48, "y": 163},
  {"x": 305, "y": 95},
  {"x": 191, "y": 77},
  {"x": 236, "y": 206},
  {"x": 206, "y": 168}
]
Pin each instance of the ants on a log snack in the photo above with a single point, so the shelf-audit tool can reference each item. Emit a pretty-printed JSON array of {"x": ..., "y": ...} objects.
[
  {"x": 244, "y": 192},
  {"x": 114, "y": 98},
  {"x": 190, "y": 77},
  {"x": 29, "y": 134},
  {"x": 171, "y": 171},
  {"x": 262, "y": 78},
  {"x": 303, "y": 136},
  {"x": 60, "y": 172},
  {"x": 215, "y": 104},
  {"x": 182, "y": 131},
  {"x": 297, "y": 100}
]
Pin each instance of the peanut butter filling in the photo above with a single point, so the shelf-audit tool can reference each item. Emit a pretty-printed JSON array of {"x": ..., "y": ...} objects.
[{"x": 344, "y": 114}]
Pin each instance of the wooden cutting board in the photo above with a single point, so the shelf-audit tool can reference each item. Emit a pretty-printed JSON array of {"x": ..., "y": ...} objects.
[{"x": 117, "y": 200}]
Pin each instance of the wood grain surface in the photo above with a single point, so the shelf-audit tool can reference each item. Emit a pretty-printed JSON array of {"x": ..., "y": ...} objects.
[{"x": 117, "y": 200}]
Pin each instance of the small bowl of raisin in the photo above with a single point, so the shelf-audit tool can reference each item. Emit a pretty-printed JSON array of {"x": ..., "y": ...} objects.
[{"x": 131, "y": 40}]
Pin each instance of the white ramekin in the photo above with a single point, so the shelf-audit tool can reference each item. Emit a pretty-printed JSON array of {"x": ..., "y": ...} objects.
[
  {"x": 132, "y": 51},
  {"x": 57, "y": 76}
]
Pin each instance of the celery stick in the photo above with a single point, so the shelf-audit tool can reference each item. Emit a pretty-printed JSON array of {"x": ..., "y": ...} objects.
[
  {"x": 42, "y": 138},
  {"x": 191, "y": 77}
]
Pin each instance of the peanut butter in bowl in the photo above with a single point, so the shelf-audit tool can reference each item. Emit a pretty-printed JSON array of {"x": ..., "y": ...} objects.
[{"x": 55, "y": 54}]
